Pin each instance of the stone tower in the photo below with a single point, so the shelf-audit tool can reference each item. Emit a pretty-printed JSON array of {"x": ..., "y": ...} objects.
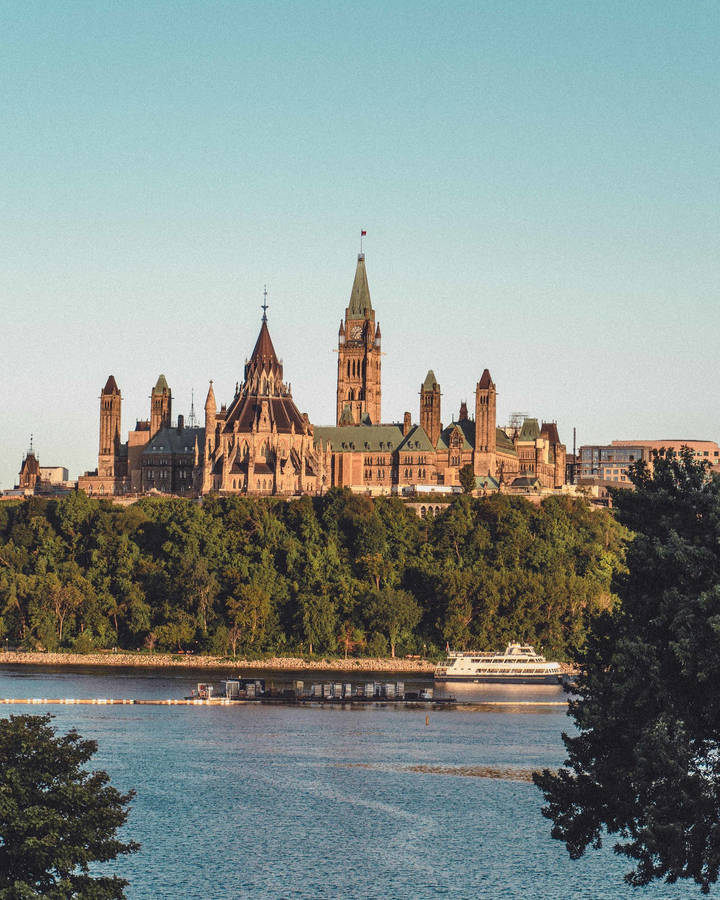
[
  {"x": 160, "y": 406},
  {"x": 358, "y": 381},
  {"x": 485, "y": 426},
  {"x": 430, "y": 408},
  {"x": 110, "y": 407},
  {"x": 210, "y": 439}
]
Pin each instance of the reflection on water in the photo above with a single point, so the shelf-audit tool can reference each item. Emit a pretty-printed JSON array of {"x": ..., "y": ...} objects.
[
  {"x": 311, "y": 803},
  {"x": 507, "y": 693}
]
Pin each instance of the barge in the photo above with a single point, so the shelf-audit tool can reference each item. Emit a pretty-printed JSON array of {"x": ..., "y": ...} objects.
[{"x": 336, "y": 692}]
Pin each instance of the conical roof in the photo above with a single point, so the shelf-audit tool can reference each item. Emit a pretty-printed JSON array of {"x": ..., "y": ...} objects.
[
  {"x": 210, "y": 399},
  {"x": 263, "y": 356},
  {"x": 360, "y": 294},
  {"x": 430, "y": 381},
  {"x": 111, "y": 386},
  {"x": 161, "y": 385},
  {"x": 485, "y": 380}
]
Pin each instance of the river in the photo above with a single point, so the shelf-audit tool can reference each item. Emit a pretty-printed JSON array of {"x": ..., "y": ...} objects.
[{"x": 311, "y": 802}]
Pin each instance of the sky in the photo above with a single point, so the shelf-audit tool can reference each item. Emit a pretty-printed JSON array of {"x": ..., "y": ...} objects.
[{"x": 539, "y": 182}]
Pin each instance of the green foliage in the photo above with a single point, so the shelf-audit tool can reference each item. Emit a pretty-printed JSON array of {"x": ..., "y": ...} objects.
[
  {"x": 645, "y": 765},
  {"x": 56, "y": 819},
  {"x": 335, "y": 574},
  {"x": 467, "y": 478}
]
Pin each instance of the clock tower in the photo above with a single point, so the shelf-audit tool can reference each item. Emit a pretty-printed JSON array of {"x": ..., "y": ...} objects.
[{"x": 358, "y": 381}]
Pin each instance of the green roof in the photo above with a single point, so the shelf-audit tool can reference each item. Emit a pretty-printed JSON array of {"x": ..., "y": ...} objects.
[
  {"x": 360, "y": 438},
  {"x": 161, "y": 385},
  {"x": 430, "y": 381},
  {"x": 360, "y": 295},
  {"x": 530, "y": 430},
  {"x": 526, "y": 481},
  {"x": 173, "y": 440},
  {"x": 487, "y": 482},
  {"x": 416, "y": 441},
  {"x": 467, "y": 429},
  {"x": 503, "y": 442}
]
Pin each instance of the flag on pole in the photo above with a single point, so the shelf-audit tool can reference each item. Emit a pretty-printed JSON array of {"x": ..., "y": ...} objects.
[{"x": 363, "y": 233}]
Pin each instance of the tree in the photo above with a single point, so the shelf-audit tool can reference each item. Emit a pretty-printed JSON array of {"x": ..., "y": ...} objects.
[
  {"x": 467, "y": 479},
  {"x": 350, "y": 638},
  {"x": 56, "y": 818},
  {"x": 391, "y": 611},
  {"x": 319, "y": 620},
  {"x": 646, "y": 763}
]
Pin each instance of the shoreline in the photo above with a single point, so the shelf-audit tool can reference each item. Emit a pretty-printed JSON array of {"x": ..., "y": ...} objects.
[{"x": 172, "y": 661}]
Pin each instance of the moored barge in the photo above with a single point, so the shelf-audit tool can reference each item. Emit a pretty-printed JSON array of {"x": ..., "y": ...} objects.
[{"x": 254, "y": 689}]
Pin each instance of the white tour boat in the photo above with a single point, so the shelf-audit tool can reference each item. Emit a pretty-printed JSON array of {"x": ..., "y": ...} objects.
[{"x": 518, "y": 664}]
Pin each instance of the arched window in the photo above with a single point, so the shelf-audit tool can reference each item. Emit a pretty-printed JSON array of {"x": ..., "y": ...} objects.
[
  {"x": 351, "y": 394},
  {"x": 348, "y": 367},
  {"x": 364, "y": 368}
]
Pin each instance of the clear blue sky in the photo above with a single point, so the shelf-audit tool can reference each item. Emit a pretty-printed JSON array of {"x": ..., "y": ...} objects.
[{"x": 539, "y": 183}]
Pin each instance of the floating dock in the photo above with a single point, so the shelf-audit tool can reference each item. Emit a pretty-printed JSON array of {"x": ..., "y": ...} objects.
[{"x": 265, "y": 701}]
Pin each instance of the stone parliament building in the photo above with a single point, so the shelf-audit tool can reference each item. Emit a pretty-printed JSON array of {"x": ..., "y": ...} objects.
[{"x": 261, "y": 444}]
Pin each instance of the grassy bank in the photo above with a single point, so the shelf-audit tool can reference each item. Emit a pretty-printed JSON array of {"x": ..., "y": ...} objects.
[{"x": 190, "y": 661}]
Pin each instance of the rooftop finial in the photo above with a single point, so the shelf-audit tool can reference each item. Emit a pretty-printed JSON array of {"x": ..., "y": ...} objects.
[
  {"x": 362, "y": 235},
  {"x": 264, "y": 306},
  {"x": 31, "y": 439},
  {"x": 193, "y": 420}
]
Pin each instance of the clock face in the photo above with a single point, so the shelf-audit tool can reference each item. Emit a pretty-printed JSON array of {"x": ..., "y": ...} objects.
[{"x": 356, "y": 332}]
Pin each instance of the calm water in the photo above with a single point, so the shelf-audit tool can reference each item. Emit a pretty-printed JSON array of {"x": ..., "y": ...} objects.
[{"x": 285, "y": 802}]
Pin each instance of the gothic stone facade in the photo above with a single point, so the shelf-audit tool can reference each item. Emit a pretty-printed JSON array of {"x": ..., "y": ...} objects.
[
  {"x": 157, "y": 456},
  {"x": 262, "y": 444},
  {"x": 381, "y": 458}
]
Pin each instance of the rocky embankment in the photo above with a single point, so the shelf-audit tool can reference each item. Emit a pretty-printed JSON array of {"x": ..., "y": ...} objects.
[{"x": 191, "y": 661}]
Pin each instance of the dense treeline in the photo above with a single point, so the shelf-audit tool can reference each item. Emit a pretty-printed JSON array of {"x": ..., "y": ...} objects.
[{"x": 339, "y": 573}]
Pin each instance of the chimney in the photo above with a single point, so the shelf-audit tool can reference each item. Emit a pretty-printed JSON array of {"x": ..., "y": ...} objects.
[
  {"x": 181, "y": 423},
  {"x": 407, "y": 423}
]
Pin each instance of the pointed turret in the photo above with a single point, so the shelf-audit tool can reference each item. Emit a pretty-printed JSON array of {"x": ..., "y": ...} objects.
[
  {"x": 359, "y": 363},
  {"x": 111, "y": 386},
  {"x": 484, "y": 461},
  {"x": 360, "y": 305},
  {"x": 110, "y": 413},
  {"x": 210, "y": 404},
  {"x": 485, "y": 380},
  {"x": 160, "y": 406},
  {"x": 263, "y": 358},
  {"x": 430, "y": 407}
]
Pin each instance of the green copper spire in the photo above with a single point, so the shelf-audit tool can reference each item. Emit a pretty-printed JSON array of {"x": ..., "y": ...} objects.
[
  {"x": 360, "y": 296},
  {"x": 161, "y": 385}
]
